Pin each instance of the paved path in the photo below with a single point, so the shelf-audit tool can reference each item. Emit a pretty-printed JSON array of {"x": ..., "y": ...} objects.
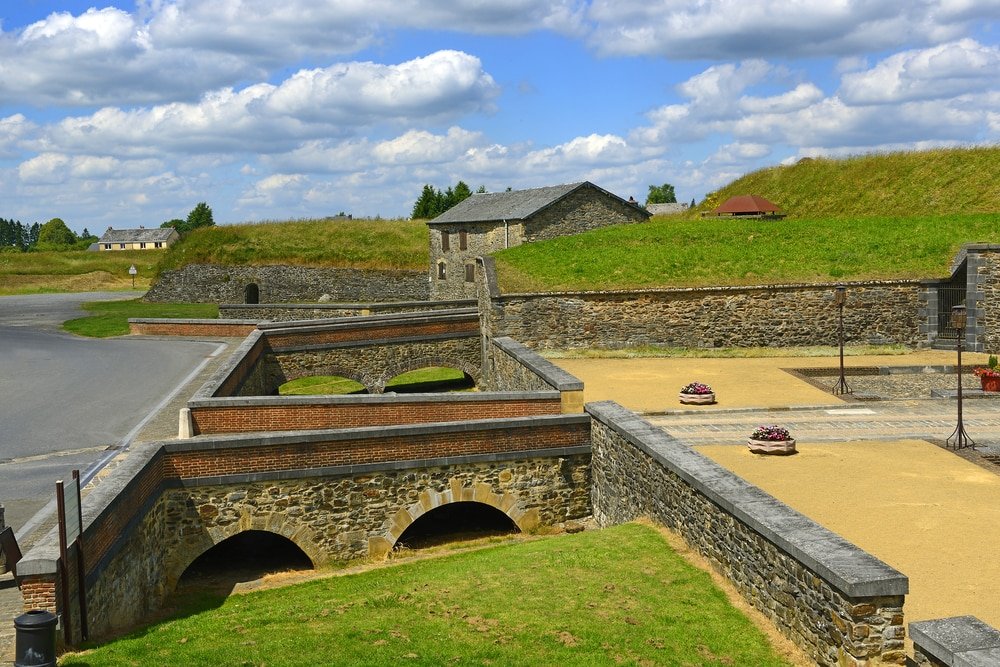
[{"x": 930, "y": 419}]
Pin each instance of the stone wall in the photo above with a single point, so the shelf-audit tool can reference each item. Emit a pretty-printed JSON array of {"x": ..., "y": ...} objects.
[
  {"x": 510, "y": 366},
  {"x": 338, "y": 495},
  {"x": 211, "y": 283},
  {"x": 3, "y": 560},
  {"x": 581, "y": 211},
  {"x": 838, "y": 603},
  {"x": 771, "y": 316},
  {"x": 960, "y": 641},
  {"x": 287, "y": 312}
]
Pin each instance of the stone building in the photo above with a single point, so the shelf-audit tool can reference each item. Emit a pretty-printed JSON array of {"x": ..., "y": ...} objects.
[{"x": 487, "y": 222}]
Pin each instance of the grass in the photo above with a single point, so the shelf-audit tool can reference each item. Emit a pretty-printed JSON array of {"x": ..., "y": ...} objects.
[
  {"x": 110, "y": 318},
  {"x": 686, "y": 253},
  {"x": 362, "y": 244},
  {"x": 941, "y": 181},
  {"x": 75, "y": 271},
  {"x": 422, "y": 379},
  {"x": 618, "y": 595}
]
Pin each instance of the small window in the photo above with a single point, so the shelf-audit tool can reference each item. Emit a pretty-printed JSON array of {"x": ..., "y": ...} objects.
[
  {"x": 445, "y": 241},
  {"x": 142, "y": 246},
  {"x": 107, "y": 246},
  {"x": 442, "y": 272},
  {"x": 121, "y": 246},
  {"x": 463, "y": 240},
  {"x": 159, "y": 244},
  {"x": 470, "y": 273}
]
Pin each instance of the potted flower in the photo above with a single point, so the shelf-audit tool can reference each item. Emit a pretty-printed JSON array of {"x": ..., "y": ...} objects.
[
  {"x": 696, "y": 393},
  {"x": 771, "y": 440},
  {"x": 989, "y": 375}
]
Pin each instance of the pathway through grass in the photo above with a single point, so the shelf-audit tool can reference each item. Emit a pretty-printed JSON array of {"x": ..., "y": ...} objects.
[{"x": 618, "y": 595}]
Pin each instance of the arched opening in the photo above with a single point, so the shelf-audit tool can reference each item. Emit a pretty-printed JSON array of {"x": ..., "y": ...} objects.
[
  {"x": 317, "y": 385},
  {"x": 246, "y": 556},
  {"x": 456, "y": 522},
  {"x": 251, "y": 294},
  {"x": 431, "y": 379}
]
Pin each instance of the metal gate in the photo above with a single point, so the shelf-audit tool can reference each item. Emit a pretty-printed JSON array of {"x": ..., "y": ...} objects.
[{"x": 948, "y": 298}]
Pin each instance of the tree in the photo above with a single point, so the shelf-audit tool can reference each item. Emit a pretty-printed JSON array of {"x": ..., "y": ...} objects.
[
  {"x": 692, "y": 202},
  {"x": 200, "y": 216},
  {"x": 55, "y": 235},
  {"x": 433, "y": 202},
  {"x": 661, "y": 194},
  {"x": 176, "y": 223}
]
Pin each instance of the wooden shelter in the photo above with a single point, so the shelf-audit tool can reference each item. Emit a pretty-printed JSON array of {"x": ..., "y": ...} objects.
[{"x": 748, "y": 206}]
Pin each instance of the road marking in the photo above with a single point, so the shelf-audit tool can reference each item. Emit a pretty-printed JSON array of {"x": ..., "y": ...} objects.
[{"x": 851, "y": 411}]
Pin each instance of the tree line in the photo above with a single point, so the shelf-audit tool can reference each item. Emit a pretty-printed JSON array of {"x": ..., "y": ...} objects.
[
  {"x": 433, "y": 202},
  {"x": 15, "y": 236}
]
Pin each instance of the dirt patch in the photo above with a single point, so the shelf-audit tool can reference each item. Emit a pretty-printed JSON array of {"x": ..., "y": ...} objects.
[{"x": 920, "y": 508}]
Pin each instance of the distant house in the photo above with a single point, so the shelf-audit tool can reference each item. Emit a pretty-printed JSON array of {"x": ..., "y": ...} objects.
[
  {"x": 137, "y": 239},
  {"x": 486, "y": 222},
  {"x": 748, "y": 206}
]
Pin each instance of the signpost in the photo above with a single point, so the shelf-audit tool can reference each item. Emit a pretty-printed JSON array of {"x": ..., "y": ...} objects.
[{"x": 132, "y": 271}]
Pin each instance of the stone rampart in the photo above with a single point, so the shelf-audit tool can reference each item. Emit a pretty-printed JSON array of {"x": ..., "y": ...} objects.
[
  {"x": 840, "y": 604},
  {"x": 212, "y": 283},
  {"x": 338, "y": 495},
  {"x": 287, "y": 312},
  {"x": 511, "y": 366}
]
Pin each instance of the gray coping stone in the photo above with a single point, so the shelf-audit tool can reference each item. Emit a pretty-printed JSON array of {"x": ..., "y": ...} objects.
[
  {"x": 236, "y": 440},
  {"x": 368, "y": 342},
  {"x": 457, "y": 314},
  {"x": 459, "y": 303},
  {"x": 174, "y": 320},
  {"x": 958, "y": 640},
  {"x": 227, "y": 368},
  {"x": 543, "y": 368},
  {"x": 847, "y": 568},
  {"x": 377, "y": 399}
]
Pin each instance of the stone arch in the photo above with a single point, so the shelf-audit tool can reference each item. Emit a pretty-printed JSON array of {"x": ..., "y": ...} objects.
[
  {"x": 334, "y": 369},
  {"x": 526, "y": 520},
  {"x": 302, "y": 536},
  {"x": 415, "y": 363},
  {"x": 251, "y": 293}
]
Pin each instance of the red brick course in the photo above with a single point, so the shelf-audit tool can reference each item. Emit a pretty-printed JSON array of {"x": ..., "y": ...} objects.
[
  {"x": 363, "y": 333},
  {"x": 180, "y": 328},
  {"x": 249, "y": 419}
]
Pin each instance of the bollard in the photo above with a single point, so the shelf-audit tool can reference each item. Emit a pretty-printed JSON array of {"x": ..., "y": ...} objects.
[{"x": 35, "y": 643}]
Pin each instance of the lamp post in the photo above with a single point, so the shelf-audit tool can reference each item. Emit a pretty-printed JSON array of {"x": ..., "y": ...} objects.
[
  {"x": 839, "y": 299},
  {"x": 959, "y": 439}
]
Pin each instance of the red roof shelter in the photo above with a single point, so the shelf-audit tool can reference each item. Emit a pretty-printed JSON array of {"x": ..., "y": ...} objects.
[{"x": 749, "y": 205}]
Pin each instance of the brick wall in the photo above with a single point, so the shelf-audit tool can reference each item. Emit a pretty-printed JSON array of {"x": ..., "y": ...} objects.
[{"x": 172, "y": 327}]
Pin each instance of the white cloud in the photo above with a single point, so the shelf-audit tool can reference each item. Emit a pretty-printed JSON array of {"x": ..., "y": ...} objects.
[
  {"x": 947, "y": 70},
  {"x": 265, "y": 118},
  {"x": 800, "y": 97},
  {"x": 735, "y": 29}
]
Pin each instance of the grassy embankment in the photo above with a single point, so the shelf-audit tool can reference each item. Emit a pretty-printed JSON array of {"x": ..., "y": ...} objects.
[
  {"x": 618, "y": 595},
  {"x": 75, "y": 271},
  {"x": 110, "y": 318},
  {"x": 882, "y": 216}
]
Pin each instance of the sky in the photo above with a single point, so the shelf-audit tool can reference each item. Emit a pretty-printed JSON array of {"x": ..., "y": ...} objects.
[{"x": 129, "y": 113}]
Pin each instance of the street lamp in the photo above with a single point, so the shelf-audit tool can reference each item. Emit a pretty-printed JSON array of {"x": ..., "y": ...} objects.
[
  {"x": 839, "y": 299},
  {"x": 959, "y": 439}
]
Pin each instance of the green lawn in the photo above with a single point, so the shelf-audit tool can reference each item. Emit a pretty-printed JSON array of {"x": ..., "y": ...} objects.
[
  {"x": 110, "y": 318},
  {"x": 615, "y": 596},
  {"x": 435, "y": 378},
  {"x": 714, "y": 251}
]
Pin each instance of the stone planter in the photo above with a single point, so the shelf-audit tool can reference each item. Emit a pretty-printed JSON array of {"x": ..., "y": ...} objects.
[
  {"x": 989, "y": 383},
  {"x": 696, "y": 399},
  {"x": 771, "y": 446}
]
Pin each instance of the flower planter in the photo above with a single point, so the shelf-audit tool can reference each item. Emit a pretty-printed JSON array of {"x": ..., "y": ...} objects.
[
  {"x": 771, "y": 446},
  {"x": 990, "y": 383},
  {"x": 697, "y": 399}
]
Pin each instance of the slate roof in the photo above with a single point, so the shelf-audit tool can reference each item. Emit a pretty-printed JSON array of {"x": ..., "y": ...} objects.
[
  {"x": 514, "y": 205},
  {"x": 137, "y": 235},
  {"x": 746, "y": 204}
]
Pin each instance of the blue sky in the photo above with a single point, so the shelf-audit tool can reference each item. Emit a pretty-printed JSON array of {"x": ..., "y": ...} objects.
[{"x": 128, "y": 113}]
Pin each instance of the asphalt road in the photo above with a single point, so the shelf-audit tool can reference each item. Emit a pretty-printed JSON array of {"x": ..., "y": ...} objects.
[{"x": 64, "y": 400}]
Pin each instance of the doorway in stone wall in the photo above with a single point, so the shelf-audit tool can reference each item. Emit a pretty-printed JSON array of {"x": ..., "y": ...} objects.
[{"x": 251, "y": 294}]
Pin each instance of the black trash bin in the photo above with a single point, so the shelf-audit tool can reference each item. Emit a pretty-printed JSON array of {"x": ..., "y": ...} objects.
[{"x": 35, "y": 643}]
